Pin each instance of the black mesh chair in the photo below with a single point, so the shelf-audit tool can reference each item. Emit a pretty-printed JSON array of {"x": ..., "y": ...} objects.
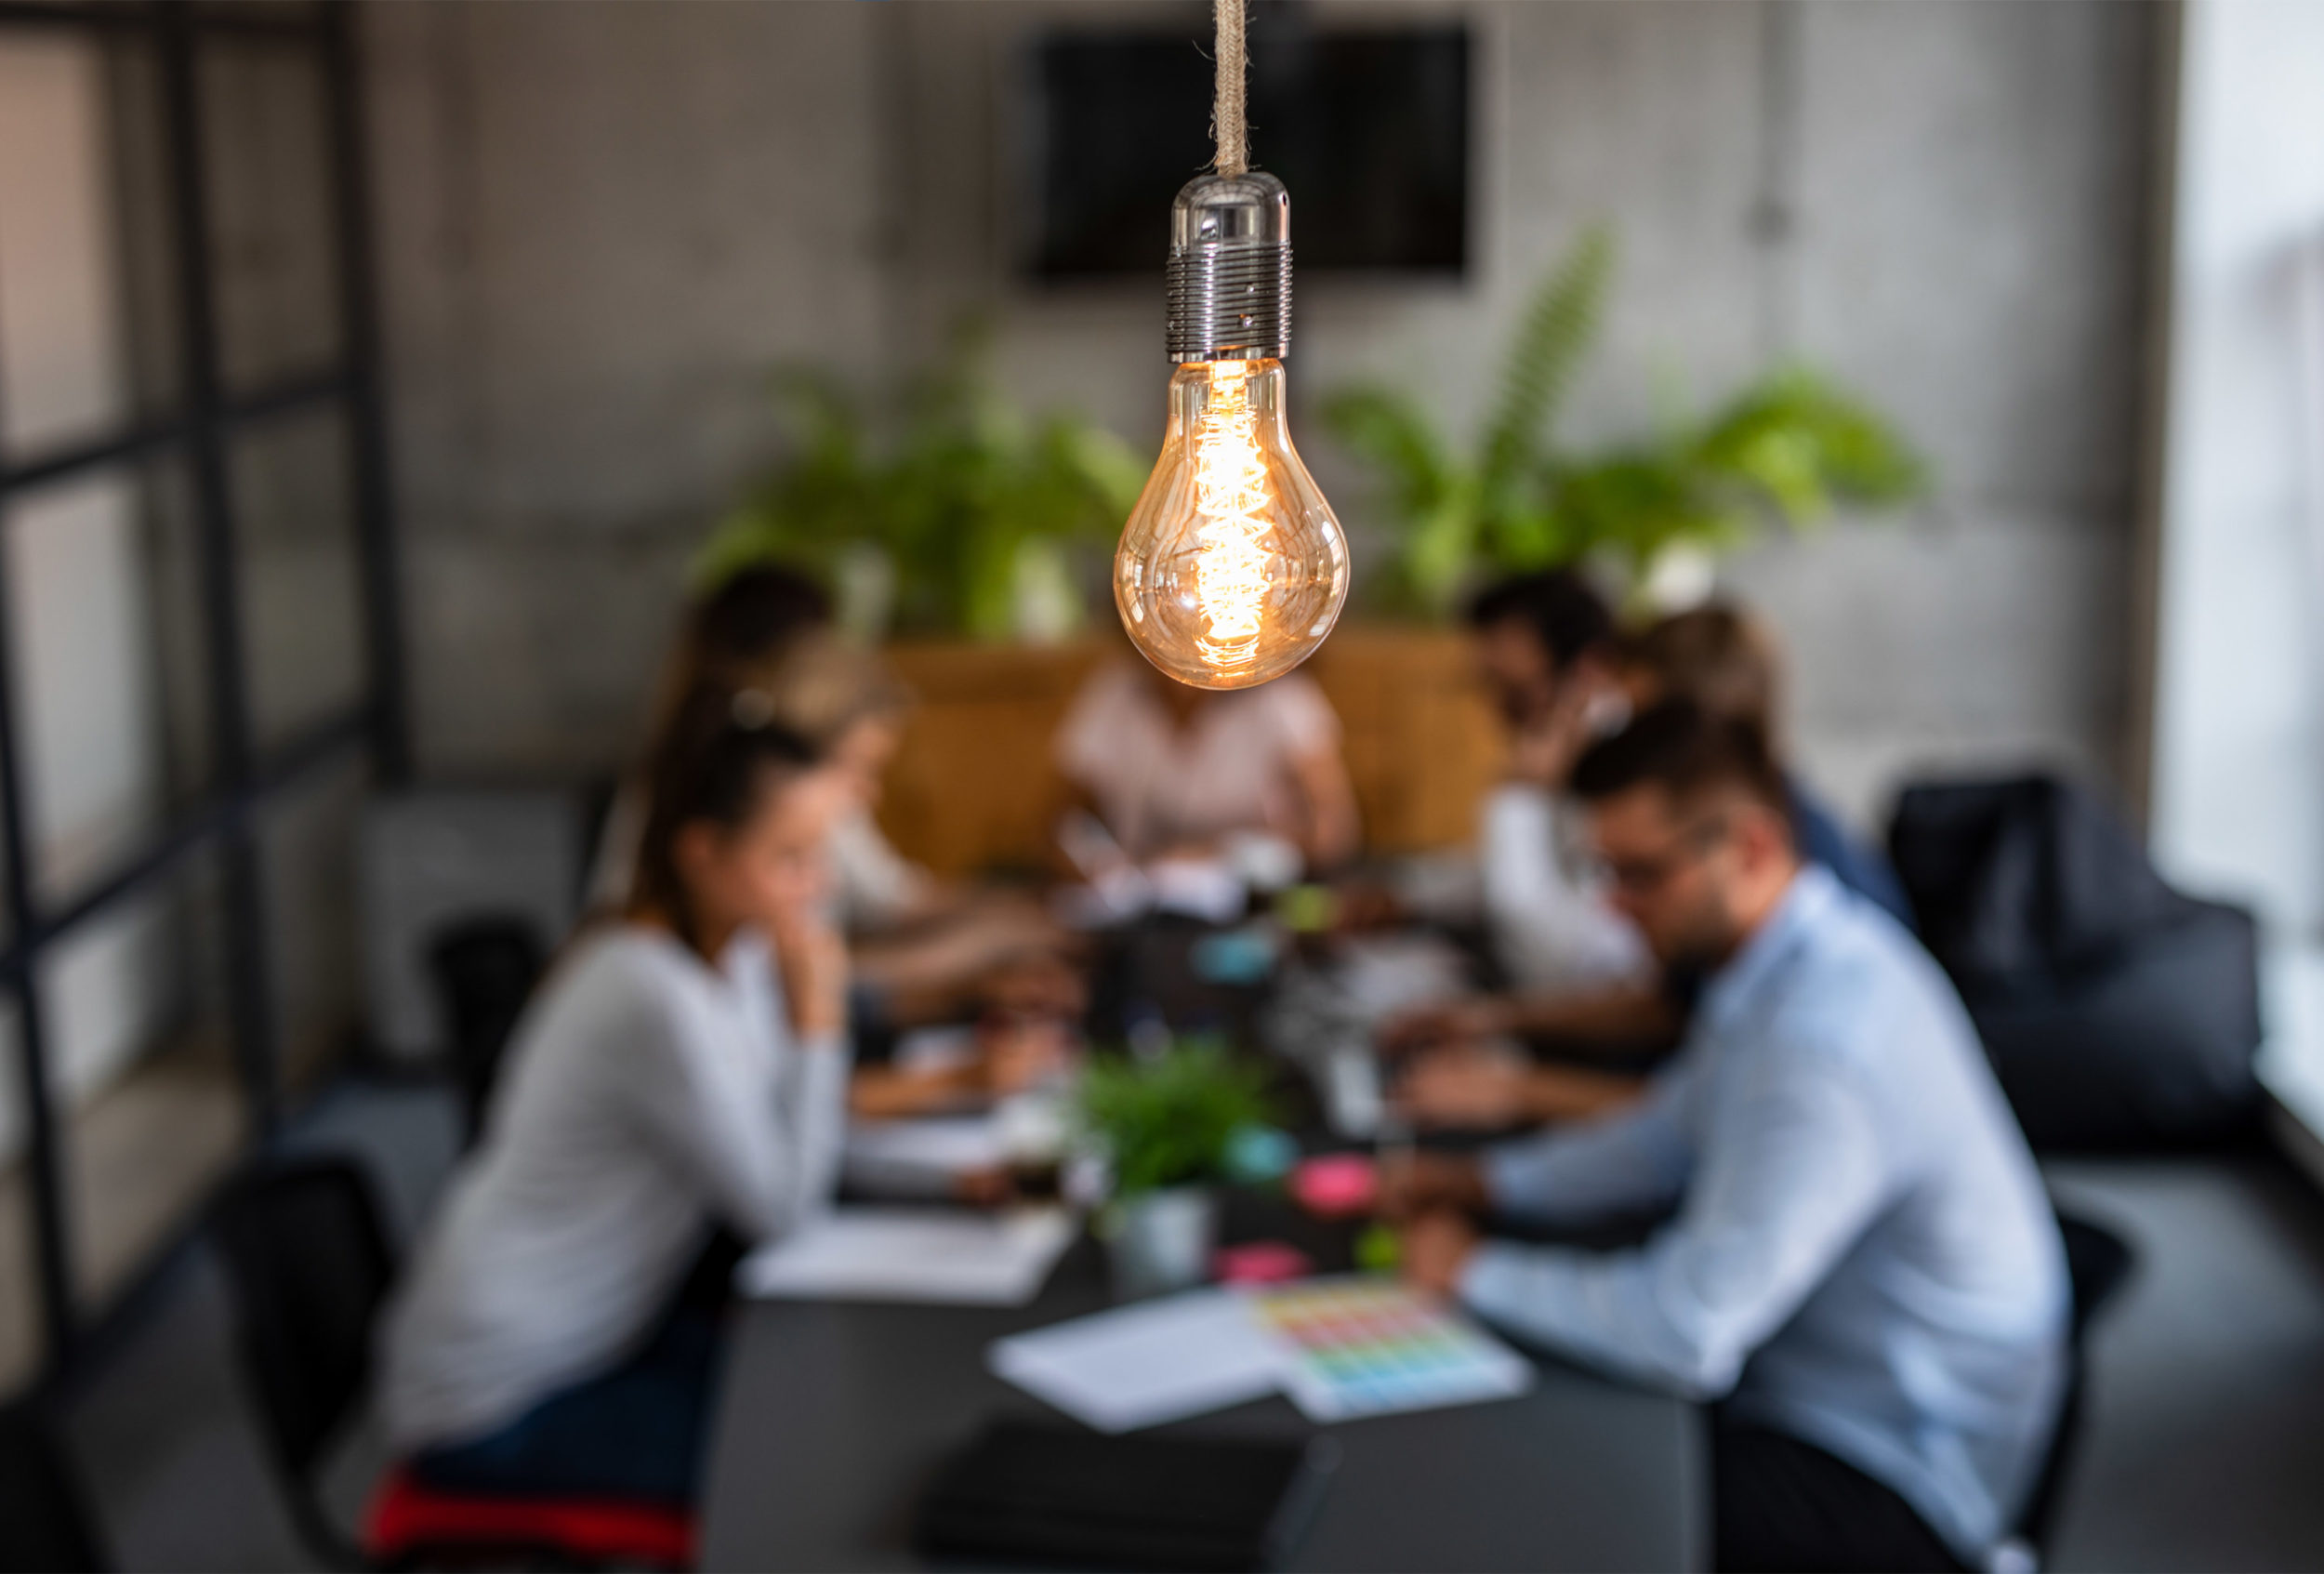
[
  {"x": 310, "y": 1264},
  {"x": 45, "y": 1519},
  {"x": 484, "y": 969},
  {"x": 2098, "y": 1261}
]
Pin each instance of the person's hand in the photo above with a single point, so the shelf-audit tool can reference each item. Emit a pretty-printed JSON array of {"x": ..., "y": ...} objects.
[
  {"x": 1469, "y": 1086},
  {"x": 1021, "y": 1054},
  {"x": 1013, "y": 923},
  {"x": 813, "y": 962},
  {"x": 1445, "y": 1021},
  {"x": 1035, "y": 984},
  {"x": 1546, "y": 745},
  {"x": 1434, "y": 1249},
  {"x": 1359, "y": 905},
  {"x": 984, "y": 1188},
  {"x": 1414, "y": 1182}
]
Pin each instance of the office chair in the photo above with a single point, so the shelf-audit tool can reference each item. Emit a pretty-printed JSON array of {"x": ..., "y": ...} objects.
[
  {"x": 310, "y": 1264},
  {"x": 2097, "y": 1262},
  {"x": 484, "y": 969},
  {"x": 45, "y": 1520}
]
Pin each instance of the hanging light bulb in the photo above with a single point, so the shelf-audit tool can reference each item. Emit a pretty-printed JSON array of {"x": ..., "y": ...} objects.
[{"x": 1232, "y": 568}]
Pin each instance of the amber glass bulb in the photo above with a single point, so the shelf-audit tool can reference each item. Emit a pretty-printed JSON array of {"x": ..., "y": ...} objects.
[{"x": 1232, "y": 568}]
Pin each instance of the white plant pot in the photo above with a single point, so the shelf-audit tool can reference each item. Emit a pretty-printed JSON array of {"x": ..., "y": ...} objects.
[{"x": 1162, "y": 1241}]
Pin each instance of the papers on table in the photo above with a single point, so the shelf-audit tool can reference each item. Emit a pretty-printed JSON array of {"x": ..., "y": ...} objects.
[
  {"x": 928, "y": 1159},
  {"x": 913, "y": 1255},
  {"x": 1338, "y": 1348},
  {"x": 924, "y": 1158},
  {"x": 1146, "y": 1364},
  {"x": 1215, "y": 887},
  {"x": 1382, "y": 975}
]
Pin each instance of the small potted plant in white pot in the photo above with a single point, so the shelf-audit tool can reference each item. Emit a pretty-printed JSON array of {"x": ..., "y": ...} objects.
[{"x": 1168, "y": 1128}]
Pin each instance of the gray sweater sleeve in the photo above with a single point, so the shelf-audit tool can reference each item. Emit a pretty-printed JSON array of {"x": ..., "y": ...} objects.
[
  {"x": 761, "y": 1140},
  {"x": 812, "y": 1107}
]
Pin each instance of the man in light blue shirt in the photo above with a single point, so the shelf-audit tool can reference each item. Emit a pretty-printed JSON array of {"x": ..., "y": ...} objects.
[{"x": 1863, "y": 1266}]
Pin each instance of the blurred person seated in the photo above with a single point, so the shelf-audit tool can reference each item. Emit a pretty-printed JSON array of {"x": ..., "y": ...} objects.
[
  {"x": 1542, "y": 645},
  {"x": 1725, "y": 661},
  {"x": 923, "y": 950},
  {"x": 682, "y": 1073},
  {"x": 743, "y": 625},
  {"x": 1178, "y": 773},
  {"x": 1863, "y": 1269},
  {"x": 1542, "y": 642}
]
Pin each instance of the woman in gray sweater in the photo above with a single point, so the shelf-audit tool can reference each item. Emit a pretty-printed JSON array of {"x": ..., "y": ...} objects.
[{"x": 683, "y": 1068}]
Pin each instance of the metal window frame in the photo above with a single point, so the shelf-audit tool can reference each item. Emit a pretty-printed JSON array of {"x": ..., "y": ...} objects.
[{"x": 226, "y": 816}]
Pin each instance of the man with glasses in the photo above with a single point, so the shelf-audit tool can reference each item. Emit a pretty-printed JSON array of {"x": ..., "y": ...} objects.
[{"x": 1862, "y": 1266}]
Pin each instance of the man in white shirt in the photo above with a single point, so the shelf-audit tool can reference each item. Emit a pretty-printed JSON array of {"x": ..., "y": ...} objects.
[
  {"x": 1542, "y": 642},
  {"x": 1862, "y": 1267}
]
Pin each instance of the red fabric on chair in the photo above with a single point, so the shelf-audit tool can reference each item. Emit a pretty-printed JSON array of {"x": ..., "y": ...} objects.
[{"x": 407, "y": 1521}]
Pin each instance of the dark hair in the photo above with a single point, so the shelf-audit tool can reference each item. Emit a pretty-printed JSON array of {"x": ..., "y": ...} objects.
[
  {"x": 751, "y": 615},
  {"x": 1717, "y": 655},
  {"x": 718, "y": 758},
  {"x": 732, "y": 633},
  {"x": 1557, "y": 604},
  {"x": 1687, "y": 750}
]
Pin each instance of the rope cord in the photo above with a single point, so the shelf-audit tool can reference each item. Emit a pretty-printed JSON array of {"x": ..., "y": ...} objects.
[{"x": 1226, "y": 119}]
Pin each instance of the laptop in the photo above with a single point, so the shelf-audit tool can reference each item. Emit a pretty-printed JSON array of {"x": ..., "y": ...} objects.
[{"x": 1037, "y": 1493}]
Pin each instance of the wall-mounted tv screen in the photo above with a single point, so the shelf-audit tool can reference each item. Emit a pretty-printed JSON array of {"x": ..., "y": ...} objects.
[{"x": 1368, "y": 130}]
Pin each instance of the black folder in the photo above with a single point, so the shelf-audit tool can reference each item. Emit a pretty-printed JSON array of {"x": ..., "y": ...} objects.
[{"x": 1028, "y": 1494}]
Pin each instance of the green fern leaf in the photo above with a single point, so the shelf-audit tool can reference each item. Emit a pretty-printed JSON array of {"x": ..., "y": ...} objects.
[{"x": 1556, "y": 334}]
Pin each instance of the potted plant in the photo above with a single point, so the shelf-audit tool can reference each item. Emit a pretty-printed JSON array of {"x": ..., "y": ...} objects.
[
  {"x": 1788, "y": 446},
  {"x": 1167, "y": 1126},
  {"x": 940, "y": 508}
]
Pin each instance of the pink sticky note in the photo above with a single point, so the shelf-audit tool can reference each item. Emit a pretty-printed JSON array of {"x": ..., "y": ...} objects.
[
  {"x": 1261, "y": 1262},
  {"x": 1336, "y": 1185}
]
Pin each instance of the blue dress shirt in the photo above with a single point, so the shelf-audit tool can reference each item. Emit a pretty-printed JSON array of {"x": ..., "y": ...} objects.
[{"x": 1863, "y": 1255}]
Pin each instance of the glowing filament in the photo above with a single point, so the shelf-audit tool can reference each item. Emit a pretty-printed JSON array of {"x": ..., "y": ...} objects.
[{"x": 1231, "y": 501}]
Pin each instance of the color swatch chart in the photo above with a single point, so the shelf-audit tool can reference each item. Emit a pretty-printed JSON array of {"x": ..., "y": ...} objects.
[{"x": 1368, "y": 1346}]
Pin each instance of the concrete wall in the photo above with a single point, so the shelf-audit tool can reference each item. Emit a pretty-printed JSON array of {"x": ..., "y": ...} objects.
[
  {"x": 604, "y": 221},
  {"x": 602, "y": 225}
]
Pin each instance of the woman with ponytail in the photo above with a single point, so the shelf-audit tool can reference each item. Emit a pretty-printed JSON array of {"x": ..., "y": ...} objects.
[{"x": 683, "y": 1072}]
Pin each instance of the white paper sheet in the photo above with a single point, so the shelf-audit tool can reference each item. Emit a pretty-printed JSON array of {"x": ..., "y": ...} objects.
[
  {"x": 936, "y": 1255},
  {"x": 1146, "y": 1364},
  {"x": 1340, "y": 1348},
  {"x": 919, "y": 1158}
]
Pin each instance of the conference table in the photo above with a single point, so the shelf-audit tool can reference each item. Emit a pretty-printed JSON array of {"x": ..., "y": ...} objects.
[{"x": 833, "y": 1415}]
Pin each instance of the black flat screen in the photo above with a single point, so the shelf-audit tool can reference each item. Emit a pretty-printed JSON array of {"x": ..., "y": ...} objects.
[{"x": 1369, "y": 131}]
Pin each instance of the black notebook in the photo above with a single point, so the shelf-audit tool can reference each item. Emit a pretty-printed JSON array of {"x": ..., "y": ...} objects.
[{"x": 1031, "y": 1493}]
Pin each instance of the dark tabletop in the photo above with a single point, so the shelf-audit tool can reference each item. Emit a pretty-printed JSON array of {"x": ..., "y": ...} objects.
[{"x": 833, "y": 1415}]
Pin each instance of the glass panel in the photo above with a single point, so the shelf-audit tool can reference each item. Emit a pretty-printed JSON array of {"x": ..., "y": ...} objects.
[
  {"x": 295, "y": 544},
  {"x": 64, "y": 357},
  {"x": 306, "y": 860},
  {"x": 19, "y": 1271},
  {"x": 267, "y": 173},
  {"x": 106, "y": 663},
  {"x": 143, "y": 1069}
]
